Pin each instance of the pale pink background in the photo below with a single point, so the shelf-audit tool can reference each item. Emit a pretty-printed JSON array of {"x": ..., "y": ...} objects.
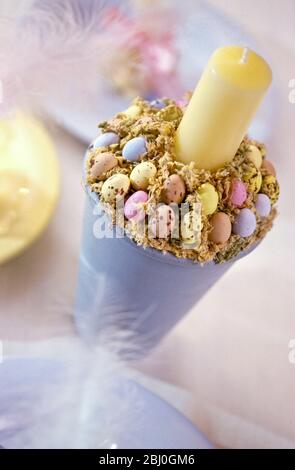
[{"x": 231, "y": 354}]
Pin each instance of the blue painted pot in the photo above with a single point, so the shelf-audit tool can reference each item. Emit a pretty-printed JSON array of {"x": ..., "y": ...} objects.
[{"x": 134, "y": 295}]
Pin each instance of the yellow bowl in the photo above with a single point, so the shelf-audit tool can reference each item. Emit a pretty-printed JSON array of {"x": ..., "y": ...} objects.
[{"x": 29, "y": 183}]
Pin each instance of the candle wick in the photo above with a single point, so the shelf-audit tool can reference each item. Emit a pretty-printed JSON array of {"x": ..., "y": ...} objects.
[{"x": 245, "y": 55}]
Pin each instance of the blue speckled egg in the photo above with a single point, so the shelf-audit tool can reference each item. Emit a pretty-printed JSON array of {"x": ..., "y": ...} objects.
[
  {"x": 263, "y": 205},
  {"x": 158, "y": 104},
  {"x": 104, "y": 140},
  {"x": 134, "y": 149},
  {"x": 245, "y": 223}
]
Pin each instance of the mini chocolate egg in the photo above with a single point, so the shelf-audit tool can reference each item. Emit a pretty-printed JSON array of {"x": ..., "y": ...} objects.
[
  {"x": 158, "y": 104},
  {"x": 253, "y": 179},
  {"x": 271, "y": 188},
  {"x": 134, "y": 206},
  {"x": 238, "y": 194},
  {"x": 191, "y": 227},
  {"x": 268, "y": 167},
  {"x": 162, "y": 223},
  {"x": 256, "y": 183},
  {"x": 141, "y": 175},
  {"x": 170, "y": 113},
  {"x": 132, "y": 112},
  {"x": 173, "y": 190},
  {"x": 221, "y": 228},
  {"x": 103, "y": 162},
  {"x": 209, "y": 198},
  {"x": 245, "y": 223},
  {"x": 104, "y": 140},
  {"x": 254, "y": 155},
  {"x": 263, "y": 205},
  {"x": 116, "y": 185},
  {"x": 134, "y": 149}
]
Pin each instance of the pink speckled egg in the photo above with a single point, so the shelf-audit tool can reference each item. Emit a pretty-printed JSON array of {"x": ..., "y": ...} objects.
[
  {"x": 162, "y": 224},
  {"x": 134, "y": 209},
  {"x": 238, "y": 194}
]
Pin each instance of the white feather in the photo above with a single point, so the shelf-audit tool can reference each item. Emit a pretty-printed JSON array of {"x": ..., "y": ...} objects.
[
  {"x": 75, "y": 404},
  {"x": 52, "y": 42}
]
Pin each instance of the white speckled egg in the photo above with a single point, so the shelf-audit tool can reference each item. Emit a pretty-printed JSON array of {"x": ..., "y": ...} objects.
[
  {"x": 103, "y": 162},
  {"x": 162, "y": 223},
  {"x": 116, "y": 185},
  {"x": 141, "y": 175}
]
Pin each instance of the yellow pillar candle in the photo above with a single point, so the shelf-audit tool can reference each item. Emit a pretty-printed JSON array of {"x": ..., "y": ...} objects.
[{"x": 222, "y": 107}]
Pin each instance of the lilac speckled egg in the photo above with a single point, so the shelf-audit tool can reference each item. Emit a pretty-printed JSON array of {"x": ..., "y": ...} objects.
[
  {"x": 158, "y": 104},
  {"x": 245, "y": 223},
  {"x": 133, "y": 209},
  {"x": 134, "y": 149},
  {"x": 238, "y": 194},
  {"x": 263, "y": 205},
  {"x": 104, "y": 140}
]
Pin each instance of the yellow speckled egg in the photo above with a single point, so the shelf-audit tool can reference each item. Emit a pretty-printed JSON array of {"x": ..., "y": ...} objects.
[
  {"x": 174, "y": 190},
  {"x": 254, "y": 155},
  {"x": 103, "y": 162},
  {"x": 271, "y": 188},
  {"x": 255, "y": 183},
  {"x": 132, "y": 112},
  {"x": 209, "y": 198},
  {"x": 116, "y": 185},
  {"x": 253, "y": 178},
  {"x": 141, "y": 175},
  {"x": 191, "y": 227}
]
